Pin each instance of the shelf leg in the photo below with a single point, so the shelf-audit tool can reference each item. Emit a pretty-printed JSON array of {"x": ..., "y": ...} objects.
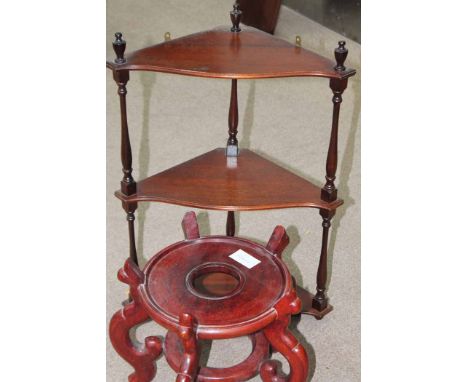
[
  {"x": 232, "y": 149},
  {"x": 127, "y": 185},
  {"x": 320, "y": 300},
  {"x": 130, "y": 209},
  {"x": 329, "y": 191},
  {"x": 230, "y": 224}
]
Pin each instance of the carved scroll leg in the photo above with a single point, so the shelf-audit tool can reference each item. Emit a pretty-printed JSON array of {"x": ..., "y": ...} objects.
[
  {"x": 189, "y": 364},
  {"x": 284, "y": 342},
  {"x": 320, "y": 301},
  {"x": 141, "y": 359}
]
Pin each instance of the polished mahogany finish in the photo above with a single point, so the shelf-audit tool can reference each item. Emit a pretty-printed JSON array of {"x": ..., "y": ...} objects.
[
  {"x": 260, "y": 306},
  {"x": 320, "y": 300},
  {"x": 329, "y": 191},
  {"x": 232, "y": 149},
  {"x": 338, "y": 86},
  {"x": 127, "y": 184},
  {"x": 214, "y": 181},
  {"x": 220, "y": 53}
]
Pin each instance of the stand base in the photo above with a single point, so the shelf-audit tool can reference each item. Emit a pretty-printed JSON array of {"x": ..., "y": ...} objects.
[
  {"x": 240, "y": 372},
  {"x": 306, "y": 299}
]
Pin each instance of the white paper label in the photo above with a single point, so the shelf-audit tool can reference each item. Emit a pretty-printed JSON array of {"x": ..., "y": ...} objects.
[{"x": 244, "y": 258}]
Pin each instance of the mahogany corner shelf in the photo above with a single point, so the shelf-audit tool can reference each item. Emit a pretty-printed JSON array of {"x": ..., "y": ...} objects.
[
  {"x": 216, "y": 182},
  {"x": 219, "y": 53},
  {"x": 234, "y": 179}
]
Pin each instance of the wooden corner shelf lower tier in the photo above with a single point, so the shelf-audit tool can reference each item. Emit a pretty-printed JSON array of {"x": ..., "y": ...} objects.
[{"x": 214, "y": 181}]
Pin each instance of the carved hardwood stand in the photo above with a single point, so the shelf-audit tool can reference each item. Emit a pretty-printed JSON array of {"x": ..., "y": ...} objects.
[{"x": 211, "y": 298}]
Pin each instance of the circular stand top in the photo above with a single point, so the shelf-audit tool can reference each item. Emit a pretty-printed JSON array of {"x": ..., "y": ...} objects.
[{"x": 225, "y": 296}]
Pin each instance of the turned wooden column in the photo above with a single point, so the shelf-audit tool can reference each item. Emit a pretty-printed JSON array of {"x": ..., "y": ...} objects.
[
  {"x": 329, "y": 191},
  {"x": 232, "y": 149},
  {"x": 127, "y": 184},
  {"x": 338, "y": 86},
  {"x": 320, "y": 301}
]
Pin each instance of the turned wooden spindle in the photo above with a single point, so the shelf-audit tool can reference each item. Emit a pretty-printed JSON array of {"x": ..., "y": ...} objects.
[
  {"x": 320, "y": 300},
  {"x": 127, "y": 184},
  {"x": 236, "y": 15},
  {"x": 232, "y": 149},
  {"x": 121, "y": 77},
  {"x": 131, "y": 231},
  {"x": 329, "y": 192},
  {"x": 338, "y": 86}
]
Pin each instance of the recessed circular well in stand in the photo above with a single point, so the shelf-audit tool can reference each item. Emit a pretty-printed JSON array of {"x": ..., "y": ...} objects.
[{"x": 215, "y": 281}]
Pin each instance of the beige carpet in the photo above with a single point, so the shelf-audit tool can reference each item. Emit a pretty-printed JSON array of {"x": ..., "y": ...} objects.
[{"x": 174, "y": 118}]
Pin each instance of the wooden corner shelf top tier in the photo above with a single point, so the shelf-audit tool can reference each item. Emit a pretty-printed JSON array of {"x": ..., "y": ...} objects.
[
  {"x": 217, "y": 182},
  {"x": 220, "y": 53}
]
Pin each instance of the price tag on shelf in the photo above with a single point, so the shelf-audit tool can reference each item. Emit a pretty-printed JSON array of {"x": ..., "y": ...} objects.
[{"x": 244, "y": 258}]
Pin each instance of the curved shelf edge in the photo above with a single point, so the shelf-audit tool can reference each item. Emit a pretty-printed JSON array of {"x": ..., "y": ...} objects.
[
  {"x": 257, "y": 76},
  {"x": 135, "y": 198},
  {"x": 215, "y": 182},
  {"x": 220, "y": 53}
]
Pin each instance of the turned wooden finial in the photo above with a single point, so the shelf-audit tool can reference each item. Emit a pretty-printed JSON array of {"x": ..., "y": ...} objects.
[
  {"x": 340, "y": 56},
  {"x": 236, "y": 15},
  {"x": 119, "y": 48}
]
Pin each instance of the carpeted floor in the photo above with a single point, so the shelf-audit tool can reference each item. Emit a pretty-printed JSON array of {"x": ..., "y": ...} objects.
[{"x": 174, "y": 118}]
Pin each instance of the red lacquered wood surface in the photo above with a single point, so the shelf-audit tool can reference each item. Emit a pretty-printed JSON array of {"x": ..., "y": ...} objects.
[
  {"x": 141, "y": 358},
  {"x": 259, "y": 288},
  {"x": 260, "y": 307},
  {"x": 213, "y": 181},
  {"x": 243, "y": 371},
  {"x": 220, "y": 53}
]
